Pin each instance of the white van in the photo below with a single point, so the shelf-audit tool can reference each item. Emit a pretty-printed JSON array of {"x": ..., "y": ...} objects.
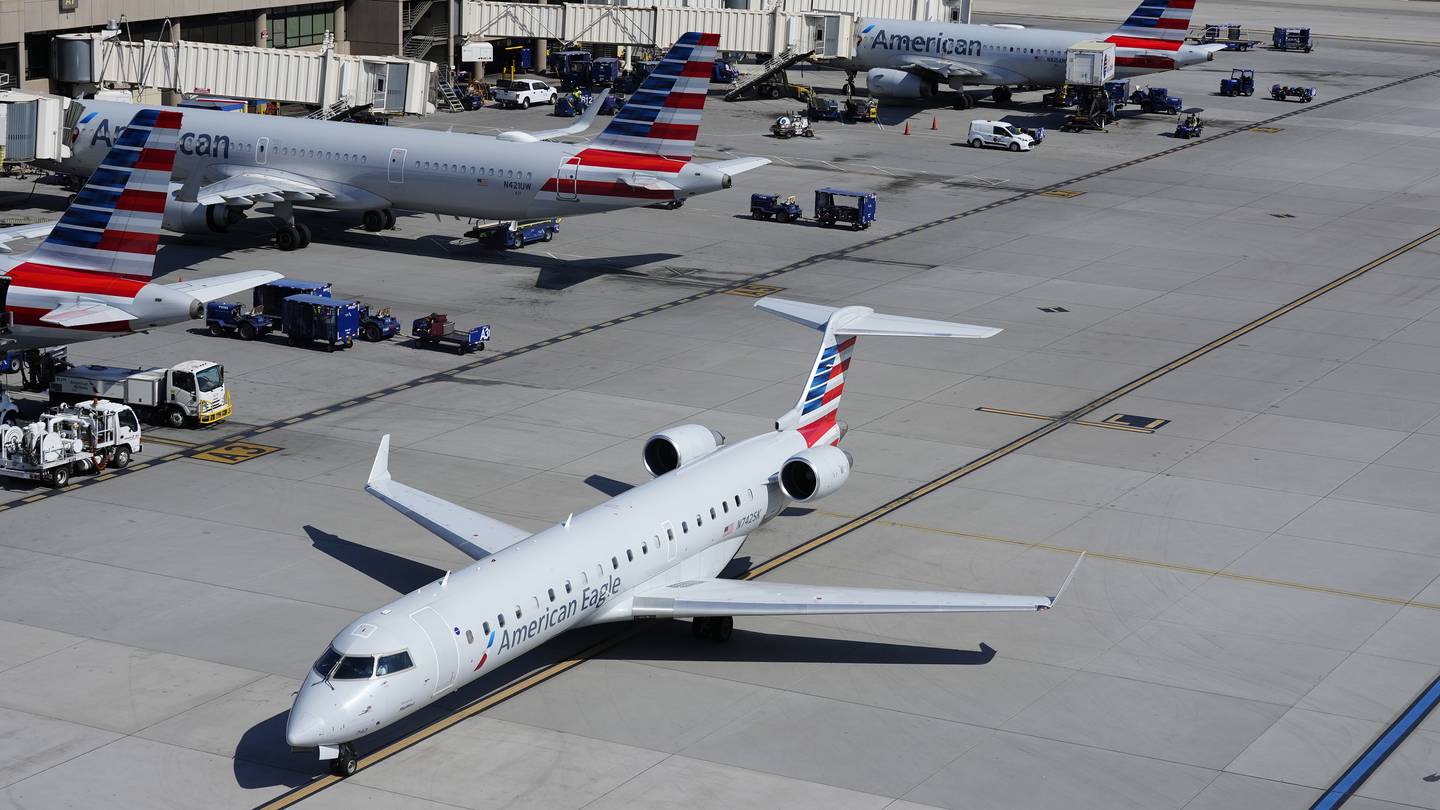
[{"x": 999, "y": 133}]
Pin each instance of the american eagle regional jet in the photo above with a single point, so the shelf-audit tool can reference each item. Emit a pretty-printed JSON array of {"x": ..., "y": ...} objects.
[
  {"x": 230, "y": 162},
  {"x": 654, "y": 551},
  {"x": 907, "y": 59},
  {"x": 92, "y": 276}
]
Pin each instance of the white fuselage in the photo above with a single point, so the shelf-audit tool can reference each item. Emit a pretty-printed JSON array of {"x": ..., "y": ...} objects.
[
  {"x": 32, "y": 293},
  {"x": 368, "y": 167},
  {"x": 684, "y": 525},
  {"x": 1007, "y": 56}
]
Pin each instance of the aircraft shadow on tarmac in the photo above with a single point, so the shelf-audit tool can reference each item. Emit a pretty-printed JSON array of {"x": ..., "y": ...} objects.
[{"x": 400, "y": 574}]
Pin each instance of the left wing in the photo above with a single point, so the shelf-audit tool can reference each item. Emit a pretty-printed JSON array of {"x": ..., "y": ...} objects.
[
  {"x": 730, "y": 597},
  {"x": 250, "y": 187},
  {"x": 585, "y": 121},
  {"x": 85, "y": 313},
  {"x": 15, "y": 232},
  {"x": 209, "y": 289},
  {"x": 943, "y": 69}
]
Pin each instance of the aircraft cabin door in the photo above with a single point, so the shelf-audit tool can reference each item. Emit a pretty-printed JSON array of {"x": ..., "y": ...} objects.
[
  {"x": 567, "y": 181},
  {"x": 262, "y": 150},
  {"x": 397, "y": 165},
  {"x": 442, "y": 645}
]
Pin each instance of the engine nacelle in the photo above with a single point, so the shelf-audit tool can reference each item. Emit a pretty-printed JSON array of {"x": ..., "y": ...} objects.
[
  {"x": 675, "y": 447},
  {"x": 814, "y": 473},
  {"x": 186, "y": 217},
  {"x": 891, "y": 83}
]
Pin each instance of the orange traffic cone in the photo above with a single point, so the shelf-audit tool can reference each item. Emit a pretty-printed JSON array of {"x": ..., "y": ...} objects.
[
  {"x": 907, "y": 127},
  {"x": 934, "y": 122}
]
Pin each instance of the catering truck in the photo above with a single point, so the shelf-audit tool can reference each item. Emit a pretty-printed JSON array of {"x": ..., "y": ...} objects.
[{"x": 188, "y": 393}]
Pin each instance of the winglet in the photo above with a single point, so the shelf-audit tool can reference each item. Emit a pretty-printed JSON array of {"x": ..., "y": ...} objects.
[
  {"x": 380, "y": 470},
  {"x": 1066, "y": 583}
]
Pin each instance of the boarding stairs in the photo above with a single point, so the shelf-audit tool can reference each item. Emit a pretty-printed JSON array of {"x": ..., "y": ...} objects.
[
  {"x": 334, "y": 109},
  {"x": 778, "y": 63},
  {"x": 449, "y": 99}
]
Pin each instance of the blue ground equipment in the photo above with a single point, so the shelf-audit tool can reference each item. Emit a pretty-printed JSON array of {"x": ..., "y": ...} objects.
[
  {"x": 1157, "y": 100},
  {"x": 612, "y": 104},
  {"x": 377, "y": 326},
  {"x": 722, "y": 72},
  {"x": 1231, "y": 35},
  {"x": 1240, "y": 83},
  {"x": 1119, "y": 92},
  {"x": 520, "y": 234},
  {"x": 267, "y": 297},
  {"x": 773, "y": 206},
  {"x": 223, "y": 318},
  {"x": 823, "y": 109},
  {"x": 605, "y": 71},
  {"x": 1292, "y": 39},
  {"x": 831, "y": 207},
  {"x": 1189, "y": 127},
  {"x": 1281, "y": 92},
  {"x": 332, "y": 321},
  {"x": 435, "y": 330},
  {"x": 572, "y": 67},
  {"x": 573, "y": 103}
]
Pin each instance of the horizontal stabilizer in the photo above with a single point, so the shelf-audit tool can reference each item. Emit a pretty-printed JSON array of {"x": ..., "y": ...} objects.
[
  {"x": 16, "y": 232},
  {"x": 736, "y": 166},
  {"x": 649, "y": 182},
  {"x": 210, "y": 289},
  {"x": 474, "y": 534},
  {"x": 855, "y": 320},
  {"x": 585, "y": 121},
  {"x": 85, "y": 313}
]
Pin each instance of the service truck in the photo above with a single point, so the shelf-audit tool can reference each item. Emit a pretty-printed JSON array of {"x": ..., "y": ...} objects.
[
  {"x": 523, "y": 92},
  {"x": 87, "y": 437},
  {"x": 188, "y": 393}
]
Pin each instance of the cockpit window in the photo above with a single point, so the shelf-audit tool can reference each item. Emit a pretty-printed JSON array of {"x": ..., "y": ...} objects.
[
  {"x": 353, "y": 667},
  {"x": 326, "y": 662},
  {"x": 390, "y": 664}
]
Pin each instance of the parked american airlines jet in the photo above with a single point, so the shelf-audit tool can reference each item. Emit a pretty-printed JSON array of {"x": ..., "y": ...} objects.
[
  {"x": 654, "y": 551},
  {"x": 91, "y": 276},
  {"x": 231, "y": 161},
  {"x": 906, "y": 59}
]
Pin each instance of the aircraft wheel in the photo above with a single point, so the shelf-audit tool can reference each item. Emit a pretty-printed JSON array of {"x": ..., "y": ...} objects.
[
  {"x": 287, "y": 238},
  {"x": 304, "y": 234},
  {"x": 1001, "y": 95},
  {"x": 720, "y": 629},
  {"x": 699, "y": 627},
  {"x": 373, "y": 220},
  {"x": 347, "y": 763},
  {"x": 389, "y": 219}
]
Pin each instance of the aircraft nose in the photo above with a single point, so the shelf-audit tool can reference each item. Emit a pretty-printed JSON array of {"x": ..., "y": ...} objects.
[{"x": 305, "y": 729}]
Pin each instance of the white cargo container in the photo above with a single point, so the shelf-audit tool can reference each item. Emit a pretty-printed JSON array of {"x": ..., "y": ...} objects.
[{"x": 1090, "y": 63}]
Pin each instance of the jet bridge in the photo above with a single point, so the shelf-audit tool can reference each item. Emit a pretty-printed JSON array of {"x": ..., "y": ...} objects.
[
  {"x": 33, "y": 127},
  {"x": 322, "y": 78}
]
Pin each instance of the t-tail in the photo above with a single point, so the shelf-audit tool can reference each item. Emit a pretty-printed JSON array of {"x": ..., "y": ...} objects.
[
  {"x": 113, "y": 224},
  {"x": 663, "y": 116},
  {"x": 815, "y": 416}
]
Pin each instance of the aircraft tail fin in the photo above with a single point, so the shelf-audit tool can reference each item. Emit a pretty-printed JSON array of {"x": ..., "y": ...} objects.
[
  {"x": 1158, "y": 24},
  {"x": 113, "y": 224},
  {"x": 815, "y": 415},
  {"x": 663, "y": 116}
]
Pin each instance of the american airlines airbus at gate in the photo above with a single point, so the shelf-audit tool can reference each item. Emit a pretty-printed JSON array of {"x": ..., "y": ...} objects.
[
  {"x": 654, "y": 551},
  {"x": 232, "y": 161},
  {"x": 906, "y": 59}
]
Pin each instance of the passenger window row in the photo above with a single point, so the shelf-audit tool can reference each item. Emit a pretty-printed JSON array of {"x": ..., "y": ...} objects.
[{"x": 321, "y": 154}]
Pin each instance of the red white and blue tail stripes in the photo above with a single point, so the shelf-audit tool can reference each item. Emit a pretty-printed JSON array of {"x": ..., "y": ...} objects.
[
  {"x": 1159, "y": 25},
  {"x": 113, "y": 224},
  {"x": 820, "y": 403},
  {"x": 663, "y": 116}
]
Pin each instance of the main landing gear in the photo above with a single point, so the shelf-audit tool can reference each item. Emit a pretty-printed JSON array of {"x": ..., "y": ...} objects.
[
  {"x": 291, "y": 235},
  {"x": 378, "y": 219},
  {"x": 1001, "y": 94},
  {"x": 963, "y": 101},
  {"x": 715, "y": 628},
  {"x": 345, "y": 764}
]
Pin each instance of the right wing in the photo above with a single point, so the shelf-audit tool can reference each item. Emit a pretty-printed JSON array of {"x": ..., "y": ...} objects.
[
  {"x": 733, "y": 597},
  {"x": 15, "y": 232},
  {"x": 471, "y": 532}
]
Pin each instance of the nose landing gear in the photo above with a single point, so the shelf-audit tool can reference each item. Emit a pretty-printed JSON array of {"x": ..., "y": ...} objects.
[
  {"x": 715, "y": 628},
  {"x": 347, "y": 763}
]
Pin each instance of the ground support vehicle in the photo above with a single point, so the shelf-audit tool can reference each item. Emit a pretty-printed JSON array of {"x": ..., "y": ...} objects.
[
  {"x": 188, "y": 393},
  {"x": 823, "y": 109},
  {"x": 1118, "y": 90},
  {"x": 858, "y": 110},
  {"x": 377, "y": 326},
  {"x": 1157, "y": 100},
  {"x": 1304, "y": 95},
  {"x": 792, "y": 125},
  {"x": 612, "y": 104},
  {"x": 223, "y": 318},
  {"x": 1000, "y": 134},
  {"x": 778, "y": 86},
  {"x": 88, "y": 437},
  {"x": 1240, "y": 83},
  {"x": 1291, "y": 39},
  {"x": 605, "y": 71},
  {"x": 572, "y": 67},
  {"x": 1189, "y": 127},
  {"x": 830, "y": 207},
  {"x": 573, "y": 103},
  {"x": 435, "y": 330},
  {"x": 515, "y": 234},
  {"x": 332, "y": 321},
  {"x": 267, "y": 297},
  {"x": 1231, "y": 35},
  {"x": 723, "y": 72},
  {"x": 773, "y": 206},
  {"x": 524, "y": 92},
  {"x": 9, "y": 411}
]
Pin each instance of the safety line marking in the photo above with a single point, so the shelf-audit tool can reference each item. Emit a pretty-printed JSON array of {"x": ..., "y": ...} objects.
[{"x": 1380, "y": 750}]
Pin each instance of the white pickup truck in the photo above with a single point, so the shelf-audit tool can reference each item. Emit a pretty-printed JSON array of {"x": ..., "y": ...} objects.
[{"x": 524, "y": 92}]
